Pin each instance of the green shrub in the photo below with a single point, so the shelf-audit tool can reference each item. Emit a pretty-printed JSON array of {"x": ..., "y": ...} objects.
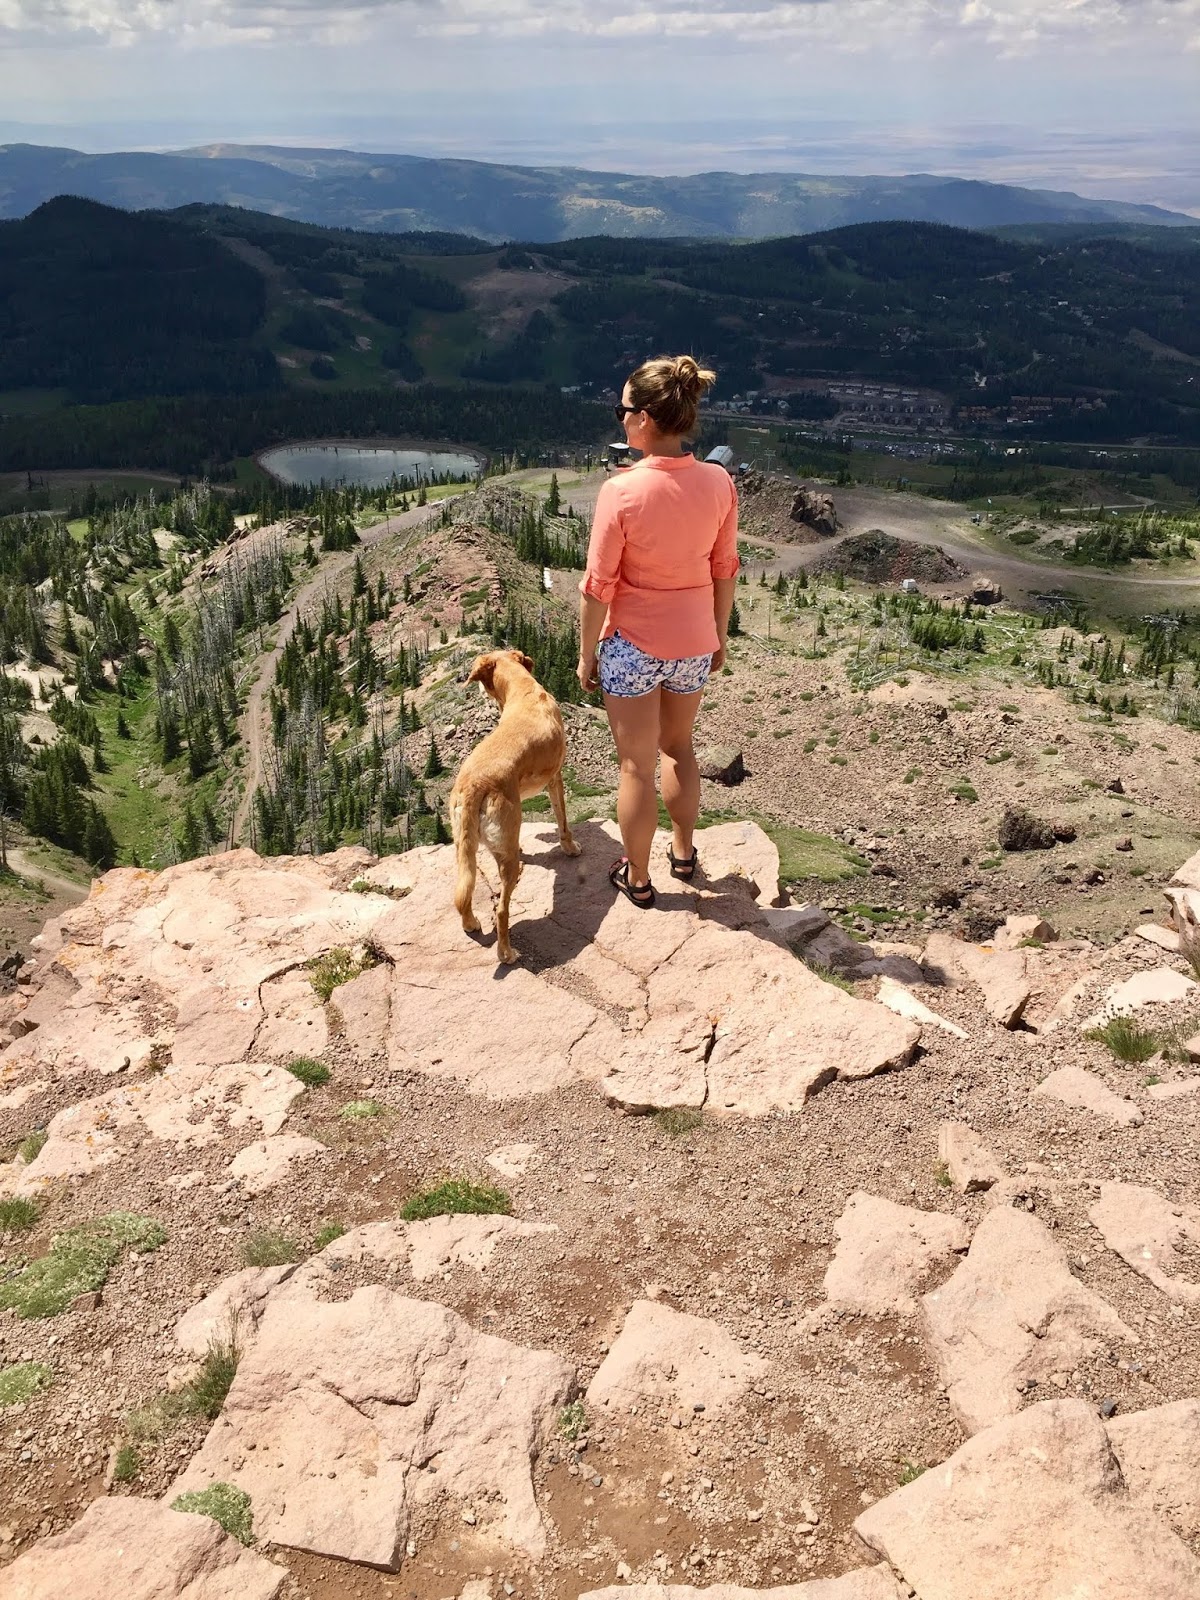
[
  {"x": 310, "y": 1073},
  {"x": 270, "y": 1248},
  {"x": 1127, "y": 1039},
  {"x": 676, "y": 1120},
  {"x": 572, "y": 1421},
  {"x": 337, "y": 966},
  {"x": 454, "y": 1197},
  {"x": 327, "y": 1234},
  {"x": 79, "y": 1260},
  {"x": 226, "y": 1505},
  {"x": 962, "y": 790},
  {"x": 209, "y": 1387},
  {"x": 828, "y": 975},
  {"x": 156, "y": 1419},
  {"x": 20, "y": 1382},
  {"x": 127, "y": 1464},
  {"x": 357, "y": 1109},
  {"x": 17, "y": 1215},
  {"x": 31, "y": 1146}
]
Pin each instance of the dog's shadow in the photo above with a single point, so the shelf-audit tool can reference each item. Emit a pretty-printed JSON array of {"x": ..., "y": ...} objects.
[{"x": 583, "y": 898}]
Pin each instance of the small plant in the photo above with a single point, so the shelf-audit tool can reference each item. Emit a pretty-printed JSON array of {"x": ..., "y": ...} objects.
[
  {"x": 21, "y": 1382},
  {"x": 17, "y": 1215},
  {"x": 78, "y": 1261},
  {"x": 1127, "y": 1039},
  {"x": 913, "y": 774},
  {"x": 355, "y": 1110},
  {"x": 809, "y": 746},
  {"x": 30, "y": 1148},
  {"x": 828, "y": 975},
  {"x": 269, "y": 1248},
  {"x": 310, "y": 1073},
  {"x": 209, "y": 1387},
  {"x": 127, "y": 1464},
  {"x": 677, "y": 1120},
  {"x": 1149, "y": 1081},
  {"x": 337, "y": 966},
  {"x": 941, "y": 1174},
  {"x": 962, "y": 790},
  {"x": 327, "y": 1234},
  {"x": 909, "y": 1472},
  {"x": 456, "y": 1196},
  {"x": 572, "y": 1421},
  {"x": 226, "y": 1505}
]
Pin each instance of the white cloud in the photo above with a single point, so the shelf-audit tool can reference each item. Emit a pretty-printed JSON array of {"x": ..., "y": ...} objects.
[{"x": 1007, "y": 25}]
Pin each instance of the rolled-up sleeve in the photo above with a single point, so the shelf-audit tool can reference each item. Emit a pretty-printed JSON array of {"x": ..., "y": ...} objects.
[
  {"x": 724, "y": 563},
  {"x": 605, "y": 548}
]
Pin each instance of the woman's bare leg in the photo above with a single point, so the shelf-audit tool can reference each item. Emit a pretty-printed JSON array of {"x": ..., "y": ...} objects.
[
  {"x": 680, "y": 774},
  {"x": 634, "y": 724}
]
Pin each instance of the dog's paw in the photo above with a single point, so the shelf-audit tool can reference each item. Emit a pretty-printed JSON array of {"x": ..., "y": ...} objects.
[
  {"x": 509, "y": 956},
  {"x": 570, "y": 847},
  {"x": 472, "y": 925}
]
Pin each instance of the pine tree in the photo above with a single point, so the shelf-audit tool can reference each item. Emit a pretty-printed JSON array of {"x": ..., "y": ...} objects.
[{"x": 434, "y": 766}]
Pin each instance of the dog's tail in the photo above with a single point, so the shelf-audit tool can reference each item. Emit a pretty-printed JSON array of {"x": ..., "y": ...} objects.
[{"x": 464, "y": 825}]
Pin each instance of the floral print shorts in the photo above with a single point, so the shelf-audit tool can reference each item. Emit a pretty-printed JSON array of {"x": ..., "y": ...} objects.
[{"x": 626, "y": 671}]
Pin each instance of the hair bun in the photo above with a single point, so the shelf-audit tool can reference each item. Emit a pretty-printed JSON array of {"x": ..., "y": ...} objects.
[{"x": 692, "y": 378}]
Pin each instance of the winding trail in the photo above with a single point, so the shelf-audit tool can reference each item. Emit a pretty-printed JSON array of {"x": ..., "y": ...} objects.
[
  {"x": 25, "y": 866},
  {"x": 331, "y": 569}
]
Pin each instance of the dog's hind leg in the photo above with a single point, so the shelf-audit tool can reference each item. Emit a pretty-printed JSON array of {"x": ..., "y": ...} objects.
[
  {"x": 502, "y": 830},
  {"x": 559, "y": 801}
]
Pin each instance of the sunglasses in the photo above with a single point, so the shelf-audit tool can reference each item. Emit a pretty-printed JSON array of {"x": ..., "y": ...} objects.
[{"x": 622, "y": 411}]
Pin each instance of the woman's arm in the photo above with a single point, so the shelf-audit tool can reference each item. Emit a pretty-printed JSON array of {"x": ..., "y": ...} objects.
[
  {"x": 723, "y": 592},
  {"x": 592, "y": 613}
]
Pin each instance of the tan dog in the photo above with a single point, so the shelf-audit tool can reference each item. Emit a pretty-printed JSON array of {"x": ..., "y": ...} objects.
[{"x": 521, "y": 757}]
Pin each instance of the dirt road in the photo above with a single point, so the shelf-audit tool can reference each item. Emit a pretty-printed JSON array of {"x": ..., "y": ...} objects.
[{"x": 25, "y": 866}]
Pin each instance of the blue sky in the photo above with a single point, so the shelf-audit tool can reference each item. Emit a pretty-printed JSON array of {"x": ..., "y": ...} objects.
[{"x": 1100, "y": 96}]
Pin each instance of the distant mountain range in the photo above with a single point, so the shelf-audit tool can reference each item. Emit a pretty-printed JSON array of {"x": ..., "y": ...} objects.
[{"x": 398, "y": 193}]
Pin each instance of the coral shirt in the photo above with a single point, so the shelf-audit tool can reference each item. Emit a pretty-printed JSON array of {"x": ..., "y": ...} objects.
[{"x": 663, "y": 530}]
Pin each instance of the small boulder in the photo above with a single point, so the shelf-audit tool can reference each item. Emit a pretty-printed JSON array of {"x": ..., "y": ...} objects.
[
  {"x": 884, "y": 1252},
  {"x": 904, "y": 1003},
  {"x": 1034, "y": 1508},
  {"x": 267, "y": 1163},
  {"x": 140, "y": 1550},
  {"x": 1146, "y": 1231},
  {"x": 1084, "y": 1091},
  {"x": 1159, "y": 1452},
  {"x": 1016, "y": 931},
  {"x": 722, "y": 764},
  {"x": 1000, "y": 975},
  {"x": 669, "y": 1356},
  {"x": 1021, "y": 830},
  {"x": 969, "y": 1163},
  {"x": 1012, "y": 1313},
  {"x": 815, "y": 510}
]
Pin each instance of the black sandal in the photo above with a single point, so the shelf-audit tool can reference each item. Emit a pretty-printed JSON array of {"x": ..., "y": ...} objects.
[
  {"x": 685, "y": 871},
  {"x": 641, "y": 895}
]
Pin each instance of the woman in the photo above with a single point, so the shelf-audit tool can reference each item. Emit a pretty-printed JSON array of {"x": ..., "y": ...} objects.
[{"x": 656, "y": 598}]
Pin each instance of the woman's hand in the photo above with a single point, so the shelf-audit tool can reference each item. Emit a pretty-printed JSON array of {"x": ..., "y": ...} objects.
[
  {"x": 718, "y": 660},
  {"x": 587, "y": 673}
]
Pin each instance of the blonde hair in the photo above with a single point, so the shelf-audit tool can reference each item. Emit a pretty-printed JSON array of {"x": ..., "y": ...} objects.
[{"x": 668, "y": 389}]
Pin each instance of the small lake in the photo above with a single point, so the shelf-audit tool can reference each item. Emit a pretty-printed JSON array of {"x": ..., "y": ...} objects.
[{"x": 364, "y": 465}]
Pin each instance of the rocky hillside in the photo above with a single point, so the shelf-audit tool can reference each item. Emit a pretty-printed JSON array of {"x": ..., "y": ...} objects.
[{"x": 338, "y": 1260}]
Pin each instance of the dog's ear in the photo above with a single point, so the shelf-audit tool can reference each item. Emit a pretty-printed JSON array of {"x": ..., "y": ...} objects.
[
  {"x": 483, "y": 671},
  {"x": 526, "y": 661}
]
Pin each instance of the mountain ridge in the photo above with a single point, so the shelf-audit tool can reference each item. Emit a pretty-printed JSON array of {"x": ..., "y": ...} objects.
[{"x": 539, "y": 204}]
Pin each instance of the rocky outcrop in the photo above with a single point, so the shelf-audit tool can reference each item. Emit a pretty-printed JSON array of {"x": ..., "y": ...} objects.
[
  {"x": 816, "y": 510},
  {"x": 1034, "y": 1508},
  {"x": 1159, "y": 1453},
  {"x": 138, "y": 1550},
  {"x": 1012, "y": 1315},
  {"x": 339, "y": 1408},
  {"x": 669, "y": 1356},
  {"x": 202, "y": 970},
  {"x": 885, "y": 1252}
]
